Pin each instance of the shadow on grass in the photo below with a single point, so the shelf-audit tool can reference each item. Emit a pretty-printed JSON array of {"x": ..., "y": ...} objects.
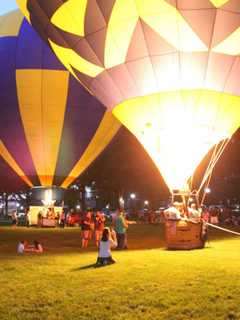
[{"x": 89, "y": 266}]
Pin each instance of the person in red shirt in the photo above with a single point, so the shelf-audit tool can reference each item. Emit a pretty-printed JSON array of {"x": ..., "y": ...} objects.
[
  {"x": 86, "y": 229},
  {"x": 99, "y": 226}
]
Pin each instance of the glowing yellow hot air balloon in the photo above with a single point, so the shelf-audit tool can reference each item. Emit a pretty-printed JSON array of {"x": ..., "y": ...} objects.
[{"x": 169, "y": 70}]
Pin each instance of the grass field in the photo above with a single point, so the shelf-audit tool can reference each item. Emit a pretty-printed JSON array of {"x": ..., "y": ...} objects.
[{"x": 147, "y": 282}]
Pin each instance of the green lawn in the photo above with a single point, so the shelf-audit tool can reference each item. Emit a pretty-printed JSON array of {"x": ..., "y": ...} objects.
[{"x": 147, "y": 282}]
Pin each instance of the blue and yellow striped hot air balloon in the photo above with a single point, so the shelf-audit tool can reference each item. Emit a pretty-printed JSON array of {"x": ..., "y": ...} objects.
[{"x": 51, "y": 128}]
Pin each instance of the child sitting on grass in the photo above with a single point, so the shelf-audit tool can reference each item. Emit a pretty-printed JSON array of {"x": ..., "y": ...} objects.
[
  {"x": 21, "y": 246},
  {"x": 108, "y": 241}
]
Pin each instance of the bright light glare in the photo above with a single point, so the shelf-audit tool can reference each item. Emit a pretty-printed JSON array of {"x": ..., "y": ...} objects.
[
  {"x": 177, "y": 129},
  {"x": 207, "y": 190},
  {"x": 146, "y": 202},
  {"x": 121, "y": 200},
  {"x": 48, "y": 200},
  {"x": 132, "y": 196}
]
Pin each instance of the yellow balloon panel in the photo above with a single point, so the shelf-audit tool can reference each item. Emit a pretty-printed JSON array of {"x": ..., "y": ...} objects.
[
  {"x": 71, "y": 16},
  {"x": 70, "y": 59},
  {"x": 42, "y": 96},
  {"x": 219, "y": 3}
]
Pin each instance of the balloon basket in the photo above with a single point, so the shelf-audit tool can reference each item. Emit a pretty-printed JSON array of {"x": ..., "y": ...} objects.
[{"x": 184, "y": 235}]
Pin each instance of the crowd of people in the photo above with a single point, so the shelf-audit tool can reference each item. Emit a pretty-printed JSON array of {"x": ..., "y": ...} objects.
[
  {"x": 106, "y": 238},
  {"x": 222, "y": 215},
  {"x": 108, "y": 233},
  {"x": 211, "y": 214},
  {"x": 93, "y": 227}
]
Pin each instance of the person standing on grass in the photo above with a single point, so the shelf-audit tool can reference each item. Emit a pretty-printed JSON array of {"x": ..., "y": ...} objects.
[
  {"x": 107, "y": 242},
  {"x": 14, "y": 218},
  {"x": 62, "y": 219},
  {"x": 27, "y": 217},
  {"x": 99, "y": 226},
  {"x": 92, "y": 224},
  {"x": 86, "y": 229},
  {"x": 121, "y": 226}
]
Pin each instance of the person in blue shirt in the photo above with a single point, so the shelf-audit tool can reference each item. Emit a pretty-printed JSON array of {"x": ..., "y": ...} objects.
[{"x": 121, "y": 226}]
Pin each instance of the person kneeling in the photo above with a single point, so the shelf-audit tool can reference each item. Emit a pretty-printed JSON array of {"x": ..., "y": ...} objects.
[{"x": 107, "y": 242}]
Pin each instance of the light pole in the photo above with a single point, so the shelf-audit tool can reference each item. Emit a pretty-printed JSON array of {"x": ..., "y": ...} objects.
[
  {"x": 132, "y": 201},
  {"x": 121, "y": 202},
  {"x": 146, "y": 203},
  {"x": 207, "y": 190}
]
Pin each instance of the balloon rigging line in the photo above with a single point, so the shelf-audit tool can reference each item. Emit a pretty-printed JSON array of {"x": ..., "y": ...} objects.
[
  {"x": 215, "y": 156},
  {"x": 223, "y": 229},
  {"x": 213, "y": 161},
  {"x": 209, "y": 174}
]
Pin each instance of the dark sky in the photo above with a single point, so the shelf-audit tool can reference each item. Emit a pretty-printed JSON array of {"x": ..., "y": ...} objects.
[{"x": 126, "y": 166}]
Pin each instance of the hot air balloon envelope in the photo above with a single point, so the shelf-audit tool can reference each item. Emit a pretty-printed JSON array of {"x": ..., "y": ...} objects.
[
  {"x": 51, "y": 128},
  {"x": 169, "y": 70}
]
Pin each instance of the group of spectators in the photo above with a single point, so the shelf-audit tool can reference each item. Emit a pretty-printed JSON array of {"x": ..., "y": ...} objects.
[
  {"x": 212, "y": 214},
  {"x": 106, "y": 238},
  {"x": 222, "y": 215},
  {"x": 93, "y": 225},
  {"x": 112, "y": 233}
]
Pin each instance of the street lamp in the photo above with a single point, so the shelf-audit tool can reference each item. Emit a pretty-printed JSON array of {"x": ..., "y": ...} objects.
[
  {"x": 207, "y": 190},
  {"x": 146, "y": 202},
  {"x": 133, "y": 196},
  {"x": 121, "y": 202}
]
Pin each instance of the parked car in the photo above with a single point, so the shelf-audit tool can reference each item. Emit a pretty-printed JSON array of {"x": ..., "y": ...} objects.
[{"x": 74, "y": 219}]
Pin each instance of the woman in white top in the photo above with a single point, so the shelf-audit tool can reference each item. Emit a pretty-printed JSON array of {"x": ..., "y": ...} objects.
[{"x": 107, "y": 242}]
